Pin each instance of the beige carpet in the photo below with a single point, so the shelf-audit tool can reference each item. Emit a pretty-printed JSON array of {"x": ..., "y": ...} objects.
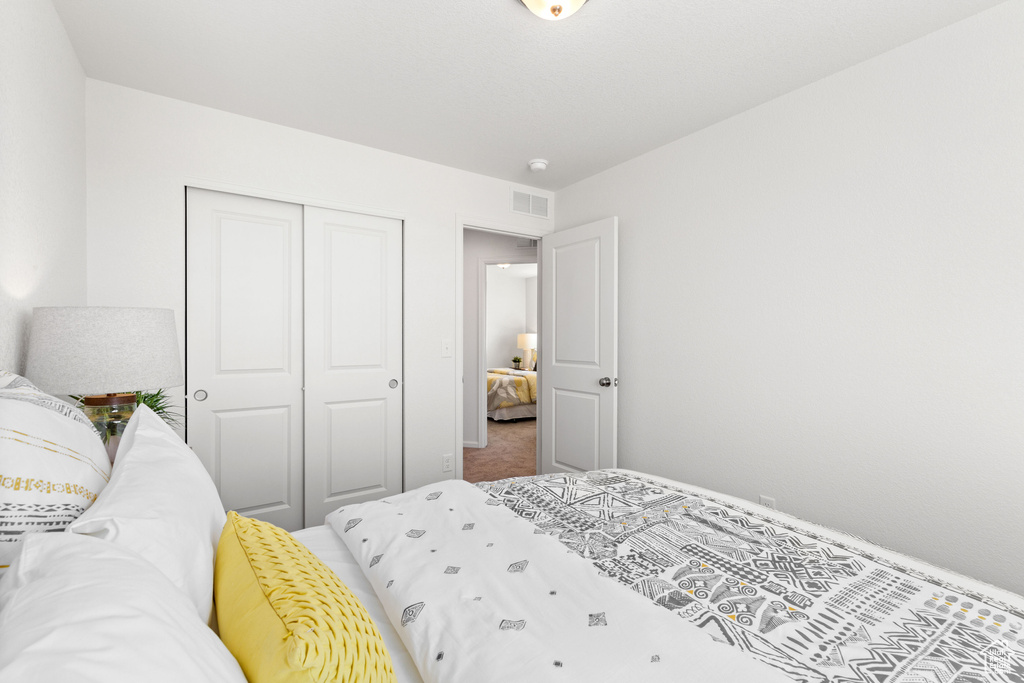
[{"x": 511, "y": 452}]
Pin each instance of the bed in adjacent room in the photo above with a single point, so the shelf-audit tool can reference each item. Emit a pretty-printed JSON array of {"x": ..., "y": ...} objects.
[{"x": 511, "y": 394}]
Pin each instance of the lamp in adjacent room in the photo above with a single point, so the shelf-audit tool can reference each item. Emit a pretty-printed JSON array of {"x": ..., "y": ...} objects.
[
  {"x": 104, "y": 354},
  {"x": 527, "y": 342}
]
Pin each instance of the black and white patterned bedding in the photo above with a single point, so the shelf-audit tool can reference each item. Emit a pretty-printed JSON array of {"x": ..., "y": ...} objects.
[
  {"x": 815, "y": 604},
  {"x": 477, "y": 595}
]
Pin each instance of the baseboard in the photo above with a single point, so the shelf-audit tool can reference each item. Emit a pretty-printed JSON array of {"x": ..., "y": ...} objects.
[{"x": 471, "y": 444}]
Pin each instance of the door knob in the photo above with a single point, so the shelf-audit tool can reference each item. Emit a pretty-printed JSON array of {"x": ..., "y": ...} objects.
[
  {"x": 393, "y": 384},
  {"x": 200, "y": 395},
  {"x": 605, "y": 381}
]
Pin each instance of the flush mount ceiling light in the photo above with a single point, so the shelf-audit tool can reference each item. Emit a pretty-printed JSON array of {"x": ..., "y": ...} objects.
[{"x": 553, "y": 10}]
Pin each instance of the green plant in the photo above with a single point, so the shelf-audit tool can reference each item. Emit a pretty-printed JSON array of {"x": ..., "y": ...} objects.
[
  {"x": 517, "y": 359},
  {"x": 160, "y": 403}
]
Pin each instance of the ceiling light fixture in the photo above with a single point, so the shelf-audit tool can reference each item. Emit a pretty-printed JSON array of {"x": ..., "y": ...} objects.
[
  {"x": 537, "y": 165},
  {"x": 553, "y": 10},
  {"x": 504, "y": 266}
]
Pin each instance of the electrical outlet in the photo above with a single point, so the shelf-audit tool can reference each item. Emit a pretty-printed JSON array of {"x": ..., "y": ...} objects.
[
  {"x": 447, "y": 462},
  {"x": 768, "y": 502}
]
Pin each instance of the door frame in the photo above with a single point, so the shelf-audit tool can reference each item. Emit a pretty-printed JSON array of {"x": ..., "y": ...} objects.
[
  {"x": 481, "y": 327},
  {"x": 462, "y": 223}
]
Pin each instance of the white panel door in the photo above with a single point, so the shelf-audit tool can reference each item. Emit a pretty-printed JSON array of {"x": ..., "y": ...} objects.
[
  {"x": 579, "y": 338},
  {"x": 244, "y": 351},
  {"x": 353, "y": 302}
]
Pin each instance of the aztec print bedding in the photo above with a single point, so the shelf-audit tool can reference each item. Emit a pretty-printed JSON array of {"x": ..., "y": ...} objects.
[
  {"x": 52, "y": 464},
  {"x": 510, "y": 388},
  {"x": 478, "y": 596},
  {"x": 17, "y": 388},
  {"x": 814, "y": 604}
]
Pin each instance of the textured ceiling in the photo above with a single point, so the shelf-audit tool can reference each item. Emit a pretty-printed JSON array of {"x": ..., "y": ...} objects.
[{"x": 484, "y": 85}]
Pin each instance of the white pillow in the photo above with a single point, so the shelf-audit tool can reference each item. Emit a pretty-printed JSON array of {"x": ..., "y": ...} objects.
[
  {"x": 53, "y": 465},
  {"x": 74, "y": 608},
  {"x": 162, "y": 504}
]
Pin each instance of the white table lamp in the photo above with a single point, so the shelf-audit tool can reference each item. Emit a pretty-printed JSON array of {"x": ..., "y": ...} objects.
[
  {"x": 527, "y": 342},
  {"x": 105, "y": 354}
]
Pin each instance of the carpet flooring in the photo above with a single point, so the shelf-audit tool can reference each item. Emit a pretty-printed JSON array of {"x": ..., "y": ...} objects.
[{"x": 511, "y": 452}]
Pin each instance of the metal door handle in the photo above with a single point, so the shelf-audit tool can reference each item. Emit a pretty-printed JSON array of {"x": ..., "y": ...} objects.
[
  {"x": 605, "y": 381},
  {"x": 393, "y": 384},
  {"x": 200, "y": 395}
]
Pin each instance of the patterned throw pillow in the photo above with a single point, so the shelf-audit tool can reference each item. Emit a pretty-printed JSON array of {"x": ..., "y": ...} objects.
[
  {"x": 53, "y": 464},
  {"x": 286, "y": 617},
  {"x": 17, "y": 388}
]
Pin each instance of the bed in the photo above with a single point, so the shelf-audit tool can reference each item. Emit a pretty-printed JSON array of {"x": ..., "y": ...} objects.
[
  {"x": 610, "y": 575},
  {"x": 511, "y": 394},
  {"x": 804, "y": 602}
]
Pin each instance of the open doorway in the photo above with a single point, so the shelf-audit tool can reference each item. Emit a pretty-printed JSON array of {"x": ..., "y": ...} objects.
[{"x": 499, "y": 362}]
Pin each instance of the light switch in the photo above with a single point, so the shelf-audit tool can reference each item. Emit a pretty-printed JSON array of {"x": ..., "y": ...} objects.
[{"x": 446, "y": 348}]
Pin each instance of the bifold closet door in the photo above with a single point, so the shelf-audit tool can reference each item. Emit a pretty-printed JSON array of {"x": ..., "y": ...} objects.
[
  {"x": 353, "y": 359},
  {"x": 244, "y": 351}
]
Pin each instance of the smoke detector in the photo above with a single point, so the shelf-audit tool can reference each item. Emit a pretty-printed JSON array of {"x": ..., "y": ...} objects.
[{"x": 538, "y": 165}]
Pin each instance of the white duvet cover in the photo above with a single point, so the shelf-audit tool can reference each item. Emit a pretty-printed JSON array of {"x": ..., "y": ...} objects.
[
  {"x": 477, "y": 594},
  {"x": 325, "y": 544}
]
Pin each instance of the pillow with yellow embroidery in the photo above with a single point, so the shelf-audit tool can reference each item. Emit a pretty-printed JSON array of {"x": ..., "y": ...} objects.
[
  {"x": 52, "y": 465},
  {"x": 285, "y": 616}
]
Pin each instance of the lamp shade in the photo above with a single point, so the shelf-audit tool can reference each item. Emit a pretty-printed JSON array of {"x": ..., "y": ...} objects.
[
  {"x": 93, "y": 350},
  {"x": 527, "y": 341}
]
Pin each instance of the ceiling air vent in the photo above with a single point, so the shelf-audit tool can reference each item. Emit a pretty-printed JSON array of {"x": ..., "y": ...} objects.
[{"x": 529, "y": 204}]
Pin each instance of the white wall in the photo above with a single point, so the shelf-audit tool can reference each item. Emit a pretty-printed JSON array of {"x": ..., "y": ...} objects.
[
  {"x": 506, "y": 316},
  {"x": 531, "y": 304},
  {"x": 822, "y": 299},
  {"x": 144, "y": 149},
  {"x": 42, "y": 171},
  {"x": 479, "y": 248}
]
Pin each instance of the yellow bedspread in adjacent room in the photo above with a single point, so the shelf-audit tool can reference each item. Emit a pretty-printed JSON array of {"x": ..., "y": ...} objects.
[{"x": 507, "y": 388}]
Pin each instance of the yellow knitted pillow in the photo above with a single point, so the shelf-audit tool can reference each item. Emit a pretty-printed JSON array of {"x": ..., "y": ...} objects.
[{"x": 286, "y": 616}]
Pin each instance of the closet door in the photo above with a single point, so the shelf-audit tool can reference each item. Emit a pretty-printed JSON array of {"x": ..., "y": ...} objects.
[
  {"x": 244, "y": 351},
  {"x": 353, "y": 359}
]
